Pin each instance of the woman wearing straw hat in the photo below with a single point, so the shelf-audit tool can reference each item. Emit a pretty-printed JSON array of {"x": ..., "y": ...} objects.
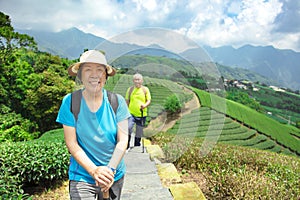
[{"x": 97, "y": 138}]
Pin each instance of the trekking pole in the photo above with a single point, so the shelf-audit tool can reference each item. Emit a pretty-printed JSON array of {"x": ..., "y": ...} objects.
[
  {"x": 142, "y": 123},
  {"x": 106, "y": 195}
]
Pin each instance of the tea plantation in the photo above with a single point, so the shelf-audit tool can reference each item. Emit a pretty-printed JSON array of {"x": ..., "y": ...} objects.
[{"x": 269, "y": 169}]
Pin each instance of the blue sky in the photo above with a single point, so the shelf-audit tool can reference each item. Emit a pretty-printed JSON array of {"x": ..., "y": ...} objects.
[{"x": 207, "y": 22}]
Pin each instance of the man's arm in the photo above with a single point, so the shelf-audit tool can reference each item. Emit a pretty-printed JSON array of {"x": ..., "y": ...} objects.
[
  {"x": 148, "y": 98},
  {"x": 145, "y": 105}
]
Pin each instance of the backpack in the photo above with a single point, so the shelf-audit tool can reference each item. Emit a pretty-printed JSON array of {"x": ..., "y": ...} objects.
[
  {"x": 76, "y": 101},
  {"x": 131, "y": 89}
]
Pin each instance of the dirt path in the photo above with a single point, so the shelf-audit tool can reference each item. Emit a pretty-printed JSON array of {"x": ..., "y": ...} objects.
[{"x": 162, "y": 123}]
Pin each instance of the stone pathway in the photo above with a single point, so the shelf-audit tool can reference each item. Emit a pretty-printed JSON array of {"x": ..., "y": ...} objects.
[
  {"x": 142, "y": 181},
  {"x": 147, "y": 178}
]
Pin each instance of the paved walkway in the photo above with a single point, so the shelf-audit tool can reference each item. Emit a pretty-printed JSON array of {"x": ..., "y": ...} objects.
[{"x": 142, "y": 181}]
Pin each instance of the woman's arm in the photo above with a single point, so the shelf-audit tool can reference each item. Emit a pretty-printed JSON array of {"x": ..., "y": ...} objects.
[
  {"x": 122, "y": 140},
  {"x": 102, "y": 175}
]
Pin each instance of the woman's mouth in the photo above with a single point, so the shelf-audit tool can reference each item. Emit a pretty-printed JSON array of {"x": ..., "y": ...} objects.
[{"x": 95, "y": 83}]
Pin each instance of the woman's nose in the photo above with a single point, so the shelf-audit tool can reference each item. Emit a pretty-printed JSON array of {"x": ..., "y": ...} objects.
[{"x": 96, "y": 73}]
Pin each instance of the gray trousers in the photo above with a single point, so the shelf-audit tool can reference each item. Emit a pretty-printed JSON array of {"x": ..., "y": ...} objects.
[
  {"x": 139, "y": 122},
  {"x": 82, "y": 190}
]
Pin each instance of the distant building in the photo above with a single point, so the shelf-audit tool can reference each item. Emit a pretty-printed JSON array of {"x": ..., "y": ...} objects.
[{"x": 277, "y": 89}]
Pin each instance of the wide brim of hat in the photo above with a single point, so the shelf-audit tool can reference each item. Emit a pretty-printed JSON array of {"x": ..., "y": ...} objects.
[{"x": 73, "y": 69}]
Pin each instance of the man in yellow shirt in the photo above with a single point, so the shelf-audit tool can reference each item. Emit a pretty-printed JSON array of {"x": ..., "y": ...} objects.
[{"x": 138, "y": 98}]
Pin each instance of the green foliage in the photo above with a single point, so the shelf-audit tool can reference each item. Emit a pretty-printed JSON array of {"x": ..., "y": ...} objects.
[
  {"x": 298, "y": 124},
  {"x": 13, "y": 127},
  {"x": 284, "y": 106},
  {"x": 10, "y": 186},
  {"x": 42, "y": 101},
  {"x": 243, "y": 98},
  {"x": 281, "y": 100},
  {"x": 280, "y": 133},
  {"x": 172, "y": 104},
  {"x": 11, "y": 40},
  {"x": 32, "y": 163},
  {"x": 32, "y": 85},
  {"x": 232, "y": 172}
]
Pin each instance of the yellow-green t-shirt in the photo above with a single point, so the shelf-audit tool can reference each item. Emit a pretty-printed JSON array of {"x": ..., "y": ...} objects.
[{"x": 137, "y": 98}]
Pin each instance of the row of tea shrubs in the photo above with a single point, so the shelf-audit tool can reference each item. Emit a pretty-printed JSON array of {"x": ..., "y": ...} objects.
[{"x": 34, "y": 163}]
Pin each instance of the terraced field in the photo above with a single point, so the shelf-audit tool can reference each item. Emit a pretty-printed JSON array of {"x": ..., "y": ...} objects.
[{"x": 208, "y": 122}]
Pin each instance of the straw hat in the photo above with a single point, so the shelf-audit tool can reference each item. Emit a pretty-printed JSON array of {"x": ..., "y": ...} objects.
[{"x": 92, "y": 56}]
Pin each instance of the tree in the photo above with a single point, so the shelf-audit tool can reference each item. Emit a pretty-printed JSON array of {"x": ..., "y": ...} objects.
[
  {"x": 10, "y": 40},
  {"x": 32, "y": 85}
]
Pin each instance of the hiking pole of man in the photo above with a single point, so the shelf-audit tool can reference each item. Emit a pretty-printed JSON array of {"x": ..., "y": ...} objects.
[
  {"x": 95, "y": 123},
  {"x": 138, "y": 98}
]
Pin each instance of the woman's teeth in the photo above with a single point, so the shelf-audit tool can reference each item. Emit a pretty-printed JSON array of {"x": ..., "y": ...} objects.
[{"x": 95, "y": 82}]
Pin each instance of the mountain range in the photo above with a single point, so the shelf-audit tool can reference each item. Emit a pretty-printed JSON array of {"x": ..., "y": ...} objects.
[{"x": 279, "y": 66}]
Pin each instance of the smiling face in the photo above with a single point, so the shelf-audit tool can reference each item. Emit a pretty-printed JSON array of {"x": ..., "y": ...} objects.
[
  {"x": 137, "y": 80},
  {"x": 93, "y": 77}
]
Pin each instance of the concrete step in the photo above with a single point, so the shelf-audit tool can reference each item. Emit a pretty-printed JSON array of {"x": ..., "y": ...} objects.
[
  {"x": 142, "y": 181},
  {"x": 168, "y": 174},
  {"x": 147, "y": 178},
  {"x": 170, "y": 177},
  {"x": 184, "y": 191}
]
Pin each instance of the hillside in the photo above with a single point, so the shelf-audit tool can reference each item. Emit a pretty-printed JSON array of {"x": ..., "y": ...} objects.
[
  {"x": 67, "y": 44},
  {"x": 225, "y": 121},
  {"x": 281, "y": 66},
  {"x": 133, "y": 61}
]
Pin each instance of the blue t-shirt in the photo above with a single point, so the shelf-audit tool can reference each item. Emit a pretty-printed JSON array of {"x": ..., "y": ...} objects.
[{"x": 96, "y": 134}]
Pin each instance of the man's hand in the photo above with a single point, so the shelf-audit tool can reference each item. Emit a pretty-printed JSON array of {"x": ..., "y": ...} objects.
[{"x": 142, "y": 106}]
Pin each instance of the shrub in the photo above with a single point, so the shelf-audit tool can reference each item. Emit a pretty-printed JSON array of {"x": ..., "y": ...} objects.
[
  {"x": 298, "y": 124},
  {"x": 14, "y": 128},
  {"x": 31, "y": 163},
  {"x": 233, "y": 172},
  {"x": 172, "y": 104}
]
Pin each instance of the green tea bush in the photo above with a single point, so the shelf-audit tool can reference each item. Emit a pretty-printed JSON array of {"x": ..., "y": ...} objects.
[
  {"x": 31, "y": 163},
  {"x": 14, "y": 128},
  {"x": 232, "y": 172},
  {"x": 172, "y": 104}
]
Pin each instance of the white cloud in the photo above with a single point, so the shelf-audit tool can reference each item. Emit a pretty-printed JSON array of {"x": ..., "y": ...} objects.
[
  {"x": 149, "y": 5},
  {"x": 211, "y": 22},
  {"x": 250, "y": 21}
]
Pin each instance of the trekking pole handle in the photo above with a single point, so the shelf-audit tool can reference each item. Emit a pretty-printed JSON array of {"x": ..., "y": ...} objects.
[{"x": 106, "y": 195}]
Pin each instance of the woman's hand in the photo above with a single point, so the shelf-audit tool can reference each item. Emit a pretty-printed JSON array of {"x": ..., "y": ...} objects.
[{"x": 104, "y": 177}]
